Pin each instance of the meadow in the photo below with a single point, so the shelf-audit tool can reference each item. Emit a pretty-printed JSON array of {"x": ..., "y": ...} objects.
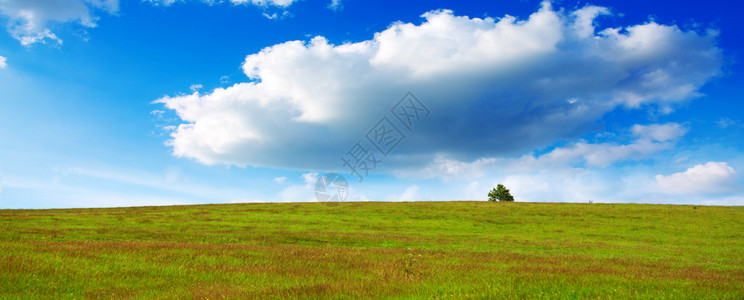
[{"x": 375, "y": 250}]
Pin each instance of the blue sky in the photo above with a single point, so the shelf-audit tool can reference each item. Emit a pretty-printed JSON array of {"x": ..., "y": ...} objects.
[{"x": 120, "y": 103}]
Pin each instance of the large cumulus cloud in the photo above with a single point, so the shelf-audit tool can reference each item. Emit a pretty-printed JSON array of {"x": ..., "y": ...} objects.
[{"x": 494, "y": 87}]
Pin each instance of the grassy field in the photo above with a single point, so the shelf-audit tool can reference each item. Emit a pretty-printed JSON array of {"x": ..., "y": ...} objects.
[{"x": 382, "y": 250}]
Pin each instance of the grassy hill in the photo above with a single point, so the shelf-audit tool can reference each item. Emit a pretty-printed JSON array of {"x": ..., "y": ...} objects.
[{"x": 391, "y": 250}]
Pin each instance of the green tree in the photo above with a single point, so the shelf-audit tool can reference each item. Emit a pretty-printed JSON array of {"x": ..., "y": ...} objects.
[{"x": 500, "y": 193}]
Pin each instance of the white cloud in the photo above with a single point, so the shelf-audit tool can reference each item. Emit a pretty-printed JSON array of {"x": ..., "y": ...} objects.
[
  {"x": 473, "y": 191},
  {"x": 660, "y": 132},
  {"x": 581, "y": 185},
  {"x": 602, "y": 155},
  {"x": 280, "y": 179},
  {"x": 306, "y": 192},
  {"x": 28, "y": 20},
  {"x": 86, "y": 187},
  {"x": 710, "y": 178},
  {"x": 300, "y": 192},
  {"x": 732, "y": 200},
  {"x": 276, "y": 15},
  {"x": 447, "y": 169},
  {"x": 162, "y": 2},
  {"x": 195, "y": 87},
  {"x": 584, "y": 24},
  {"x": 494, "y": 87},
  {"x": 172, "y": 179},
  {"x": 726, "y": 122},
  {"x": 174, "y": 175},
  {"x": 598, "y": 155},
  {"x": 224, "y": 79},
  {"x": 280, "y": 3},
  {"x": 650, "y": 139},
  {"x": 627, "y": 184},
  {"x": 410, "y": 194},
  {"x": 3, "y": 65},
  {"x": 336, "y": 5},
  {"x": 264, "y": 3},
  {"x": 248, "y": 200}
]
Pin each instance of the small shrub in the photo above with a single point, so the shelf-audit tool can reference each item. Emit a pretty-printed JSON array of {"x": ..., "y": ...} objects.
[{"x": 500, "y": 193}]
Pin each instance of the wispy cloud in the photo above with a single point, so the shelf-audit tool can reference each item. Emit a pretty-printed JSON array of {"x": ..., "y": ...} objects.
[
  {"x": 649, "y": 139},
  {"x": 264, "y": 3},
  {"x": 120, "y": 187},
  {"x": 336, "y": 5},
  {"x": 27, "y": 21},
  {"x": 726, "y": 122},
  {"x": 710, "y": 178}
]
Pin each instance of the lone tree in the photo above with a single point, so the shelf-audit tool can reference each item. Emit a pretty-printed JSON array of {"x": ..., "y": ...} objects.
[{"x": 500, "y": 193}]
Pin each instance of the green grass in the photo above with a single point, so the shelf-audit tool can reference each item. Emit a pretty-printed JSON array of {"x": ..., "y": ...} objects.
[{"x": 382, "y": 250}]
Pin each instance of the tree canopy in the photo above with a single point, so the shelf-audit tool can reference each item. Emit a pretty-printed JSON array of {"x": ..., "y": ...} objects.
[{"x": 500, "y": 193}]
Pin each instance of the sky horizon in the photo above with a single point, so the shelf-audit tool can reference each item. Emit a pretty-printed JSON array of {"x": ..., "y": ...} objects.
[{"x": 109, "y": 103}]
